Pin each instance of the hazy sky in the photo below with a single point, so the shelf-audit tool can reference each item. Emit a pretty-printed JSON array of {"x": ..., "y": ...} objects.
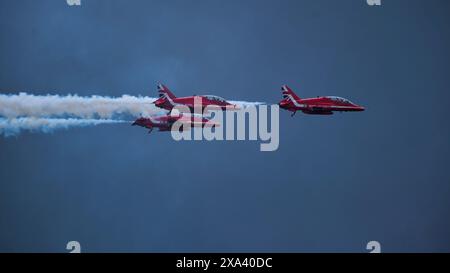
[{"x": 335, "y": 183}]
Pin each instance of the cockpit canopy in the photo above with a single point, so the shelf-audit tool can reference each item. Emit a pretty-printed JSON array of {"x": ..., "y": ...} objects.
[
  {"x": 215, "y": 98},
  {"x": 339, "y": 99}
]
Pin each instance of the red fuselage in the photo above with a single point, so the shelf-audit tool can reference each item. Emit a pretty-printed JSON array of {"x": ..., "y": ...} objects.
[
  {"x": 316, "y": 106},
  {"x": 167, "y": 100},
  {"x": 205, "y": 101},
  {"x": 165, "y": 122}
]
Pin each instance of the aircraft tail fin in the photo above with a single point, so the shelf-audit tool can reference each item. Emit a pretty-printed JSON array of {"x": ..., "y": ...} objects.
[
  {"x": 288, "y": 93},
  {"x": 164, "y": 91}
]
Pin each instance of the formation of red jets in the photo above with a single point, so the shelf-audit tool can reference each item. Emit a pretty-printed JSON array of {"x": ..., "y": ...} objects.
[{"x": 290, "y": 102}]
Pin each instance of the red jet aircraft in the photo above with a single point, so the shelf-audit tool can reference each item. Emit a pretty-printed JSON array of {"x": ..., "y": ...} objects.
[
  {"x": 316, "y": 106},
  {"x": 164, "y": 122},
  {"x": 168, "y": 101}
]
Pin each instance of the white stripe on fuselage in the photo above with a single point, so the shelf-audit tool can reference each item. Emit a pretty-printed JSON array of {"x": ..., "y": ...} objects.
[{"x": 294, "y": 101}]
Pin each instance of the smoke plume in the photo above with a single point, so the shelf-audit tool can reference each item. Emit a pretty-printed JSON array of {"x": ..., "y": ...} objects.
[
  {"x": 45, "y": 113},
  {"x": 14, "y": 126}
]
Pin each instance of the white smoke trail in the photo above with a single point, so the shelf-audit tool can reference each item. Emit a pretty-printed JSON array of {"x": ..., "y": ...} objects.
[
  {"x": 26, "y": 105},
  {"x": 14, "y": 126},
  {"x": 45, "y": 113},
  {"x": 244, "y": 104}
]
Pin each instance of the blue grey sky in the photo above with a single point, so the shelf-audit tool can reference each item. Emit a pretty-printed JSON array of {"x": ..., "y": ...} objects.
[{"x": 335, "y": 183}]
